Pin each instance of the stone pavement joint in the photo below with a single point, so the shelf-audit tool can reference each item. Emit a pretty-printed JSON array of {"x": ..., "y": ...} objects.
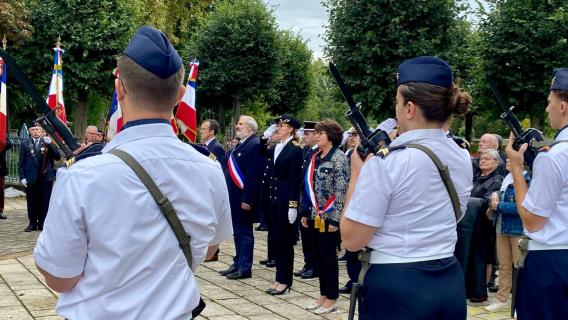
[{"x": 24, "y": 295}]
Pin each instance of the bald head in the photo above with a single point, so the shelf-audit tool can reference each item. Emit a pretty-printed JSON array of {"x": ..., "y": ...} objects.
[{"x": 488, "y": 141}]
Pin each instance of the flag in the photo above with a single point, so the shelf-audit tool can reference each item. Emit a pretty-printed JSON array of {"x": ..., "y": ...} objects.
[
  {"x": 55, "y": 98},
  {"x": 3, "y": 109},
  {"x": 186, "y": 113},
  {"x": 114, "y": 116}
]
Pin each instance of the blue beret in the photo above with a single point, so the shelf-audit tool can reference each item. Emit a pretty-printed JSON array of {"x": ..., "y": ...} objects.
[
  {"x": 289, "y": 120},
  {"x": 152, "y": 50},
  {"x": 559, "y": 79},
  {"x": 426, "y": 69}
]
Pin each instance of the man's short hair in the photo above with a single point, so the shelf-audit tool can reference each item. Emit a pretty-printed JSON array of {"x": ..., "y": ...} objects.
[
  {"x": 148, "y": 90},
  {"x": 213, "y": 125},
  {"x": 250, "y": 122}
]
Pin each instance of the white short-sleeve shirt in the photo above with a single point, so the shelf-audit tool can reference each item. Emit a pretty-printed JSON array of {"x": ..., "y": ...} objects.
[
  {"x": 103, "y": 223},
  {"x": 548, "y": 193},
  {"x": 404, "y": 196}
]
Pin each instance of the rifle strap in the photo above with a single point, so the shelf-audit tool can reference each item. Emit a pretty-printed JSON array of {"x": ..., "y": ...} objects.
[{"x": 162, "y": 201}]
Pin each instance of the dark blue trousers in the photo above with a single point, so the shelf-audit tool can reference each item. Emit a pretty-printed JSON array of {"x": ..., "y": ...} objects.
[
  {"x": 542, "y": 291},
  {"x": 420, "y": 290},
  {"x": 353, "y": 267},
  {"x": 244, "y": 244},
  {"x": 309, "y": 245}
]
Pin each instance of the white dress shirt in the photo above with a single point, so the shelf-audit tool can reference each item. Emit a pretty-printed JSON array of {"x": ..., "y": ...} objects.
[
  {"x": 278, "y": 148},
  {"x": 404, "y": 196},
  {"x": 548, "y": 193},
  {"x": 104, "y": 223}
]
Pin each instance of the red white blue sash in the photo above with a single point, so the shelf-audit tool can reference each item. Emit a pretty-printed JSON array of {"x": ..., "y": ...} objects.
[
  {"x": 309, "y": 184},
  {"x": 235, "y": 172}
]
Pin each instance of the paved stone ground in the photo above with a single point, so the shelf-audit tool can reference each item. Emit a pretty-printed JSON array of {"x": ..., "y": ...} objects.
[{"x": 23, "y": 294}]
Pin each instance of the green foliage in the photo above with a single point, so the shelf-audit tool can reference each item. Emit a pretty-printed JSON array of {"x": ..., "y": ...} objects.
[
  {"x": 522, "y": 41},
  {"x": 15, "y": 20},
  {"x": 92, "y": 34},
  {"x": 237, "y": 47},
  {"x": 367, "y": 39},
  {"x": 291, "y": 85},
  {"x": 176, "y": 18},
  {"x": 325, "y": 100}
]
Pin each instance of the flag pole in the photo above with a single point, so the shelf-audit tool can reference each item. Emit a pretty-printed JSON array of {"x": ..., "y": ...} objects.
[
  {"x": 4, "y": 42},
  {"x": 58, "y": 52}
]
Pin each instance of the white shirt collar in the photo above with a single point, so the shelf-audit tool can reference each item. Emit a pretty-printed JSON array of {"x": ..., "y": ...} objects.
[
  {"x": 209, "y": 141},
  {"x": 287, "y": 140},
  {"x": 140, "y": 132},
  {"x": 562, "y": 135},
  {"x": 418, "y": 134}
]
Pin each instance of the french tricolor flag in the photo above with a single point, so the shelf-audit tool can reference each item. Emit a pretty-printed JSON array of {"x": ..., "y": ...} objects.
[
  {"x": 186, "y": 113},
  {"x": 114, "y": 116},
  {"x": 3, "y": 109},
  {"x": 55, "y": 97}
]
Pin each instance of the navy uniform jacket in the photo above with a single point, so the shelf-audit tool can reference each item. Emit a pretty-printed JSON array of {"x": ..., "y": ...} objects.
[
  {"x": 305, "y": 208},
  {"x": 32, "y": 161},
  {"x": 217, "y": 149},
  {"x": 249, "y": 159},
  {"x": 285, "y": 180}
]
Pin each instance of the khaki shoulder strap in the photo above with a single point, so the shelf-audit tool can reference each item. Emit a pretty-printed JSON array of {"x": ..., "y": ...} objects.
[
  {"x": 163, "y": 202},
  {"x": 445, "y": 174}
]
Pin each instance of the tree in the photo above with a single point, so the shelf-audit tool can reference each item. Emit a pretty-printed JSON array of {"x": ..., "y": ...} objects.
[
  {"x": 14, "y": 20},
  {"x": 236, "y": 44},
  {"x": 178, "y": 19},
  {"x": 368, "y": 39},
  {"x": 325, "y": 100},
  {"x": 522, "y": 41},
  {"x": 291, "y": 85},
  {"x": 92, "y": 34}
]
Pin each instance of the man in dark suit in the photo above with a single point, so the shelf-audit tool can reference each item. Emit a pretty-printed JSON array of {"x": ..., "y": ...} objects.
[
  {"x": 37, "y": 173},
  {"x": 244, "y": 168},
  {"x": 207, "y": 132},
  {"x": 3, "y": 174},
  {"x": 310, "y": 269}
]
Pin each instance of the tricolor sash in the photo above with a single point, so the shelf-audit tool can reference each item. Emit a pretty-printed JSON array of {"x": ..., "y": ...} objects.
[
  {"x": 310, "y": 190},
  {"x": 235, "y": 172}
]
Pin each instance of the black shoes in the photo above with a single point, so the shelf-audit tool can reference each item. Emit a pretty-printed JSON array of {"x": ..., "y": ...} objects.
[
  {"x": 264, "y": 261},
  {"x": 261, "y": 228},
  {"x": 3, "y": 216},
  {"x": 30, "y": 228},
  {"x": 309, "y": 274},
  {"x": 271, "y": 263},
  {"x": 239, "y": 275},
  {"x": 215, "y": 257},
  {"x": 231, "y": 269},
  {"x": 299, "y": 272},
  {"x": 275, "y": 292},
  {"x": 345, "y": 290}
]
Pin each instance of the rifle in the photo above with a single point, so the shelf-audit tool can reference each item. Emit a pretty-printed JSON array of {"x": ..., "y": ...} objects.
[
  {"x": 531, "y": 136},
  {"x": 371, "y": 141},
  {"x": 49, "y": 121}
]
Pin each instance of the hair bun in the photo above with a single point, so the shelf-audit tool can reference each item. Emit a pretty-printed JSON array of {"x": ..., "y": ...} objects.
[{"x": 459, "y": 101}]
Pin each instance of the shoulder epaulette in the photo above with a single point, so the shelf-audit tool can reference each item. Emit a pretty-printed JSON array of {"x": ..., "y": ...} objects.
[
  {"x": 384, "y": 152},
  {"x": 204, "y": 151}
]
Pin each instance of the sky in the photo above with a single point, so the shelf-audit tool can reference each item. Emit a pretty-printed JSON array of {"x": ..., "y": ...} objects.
[{"x": 308, "y": 17}]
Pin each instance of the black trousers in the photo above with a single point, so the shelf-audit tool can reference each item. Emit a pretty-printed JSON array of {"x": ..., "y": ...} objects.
[
  {"x": 37, "y": 198},
  {"x": 283, "y": 237},
  {"x": 270, "y": 220},
  {"x": 542, "y": 292},
  {"x": 326, "y": 254},
  {"x": 353, "y": 267},
  {"x": 309, "y": 246},
  {"x": 414, "y": 291}
]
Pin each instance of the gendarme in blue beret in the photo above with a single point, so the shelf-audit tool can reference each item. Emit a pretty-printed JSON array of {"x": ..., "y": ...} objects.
[
  {"x": 152, "y": 50},
  {"x": 288, "y": 120},
  {"x": 559, "y": 79},
  {"x": 426, "y": 69}
]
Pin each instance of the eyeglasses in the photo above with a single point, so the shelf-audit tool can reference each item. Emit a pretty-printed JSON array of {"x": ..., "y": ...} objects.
[{"x": 320, "y": 132}]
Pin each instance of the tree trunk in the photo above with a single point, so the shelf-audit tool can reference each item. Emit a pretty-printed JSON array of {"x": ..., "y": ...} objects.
[
  {"x": 468, "y": 126},
  {"x": 80, "y": 116},
  {"x": 537, "y": 122},
  {"x": 237, "y": 111}
]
